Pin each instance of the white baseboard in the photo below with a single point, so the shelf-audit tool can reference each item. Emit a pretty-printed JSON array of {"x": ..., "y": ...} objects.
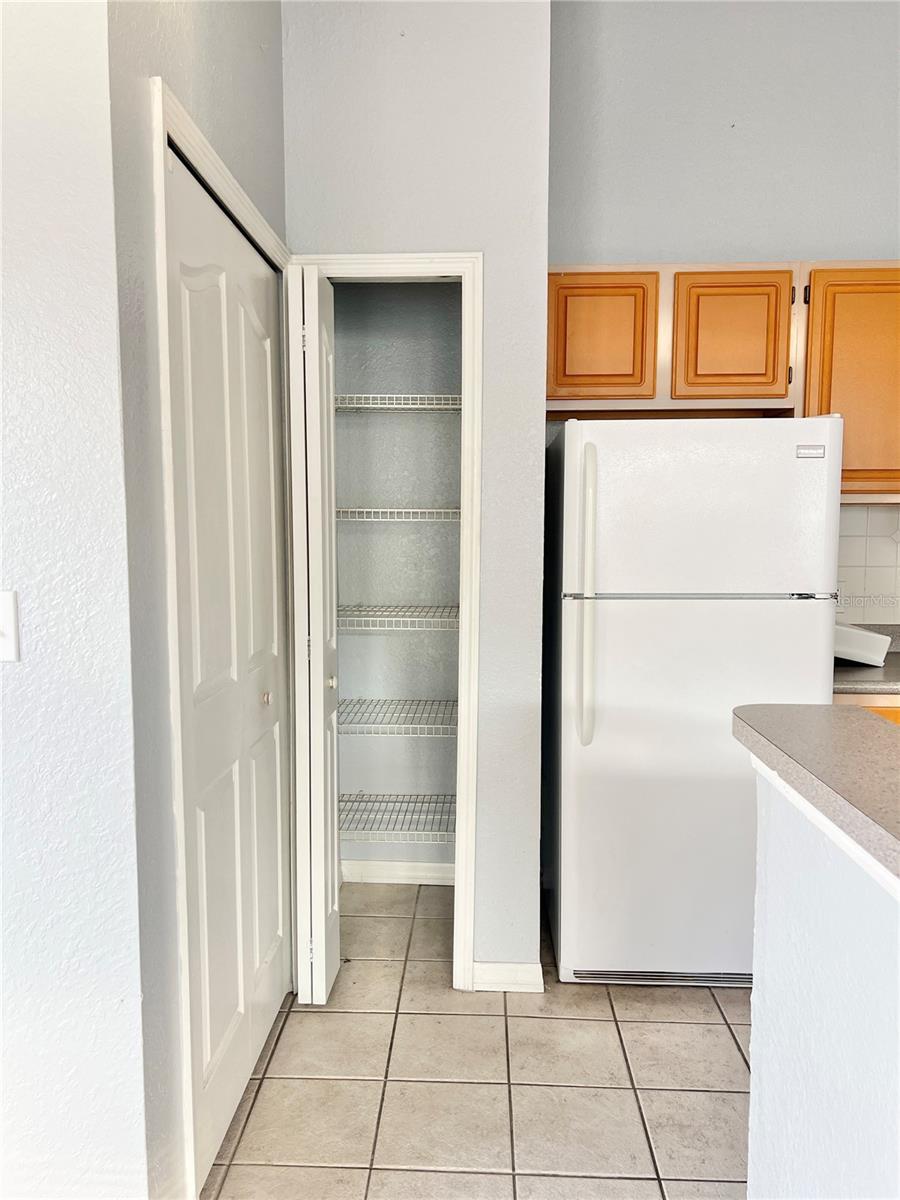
[
  {"x": 508, "y": 977},
  {"x": 370, "y": 870}
]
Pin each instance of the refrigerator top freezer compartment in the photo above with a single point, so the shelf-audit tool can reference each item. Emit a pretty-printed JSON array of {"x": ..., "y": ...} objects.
[{"x": 701, "y": 507}]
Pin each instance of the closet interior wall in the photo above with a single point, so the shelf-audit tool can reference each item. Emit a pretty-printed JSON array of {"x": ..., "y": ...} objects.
[{"x": 397, "y": 454}]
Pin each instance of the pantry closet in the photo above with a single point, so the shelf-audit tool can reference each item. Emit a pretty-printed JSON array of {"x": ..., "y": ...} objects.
[{"x": 397, "y": 364}]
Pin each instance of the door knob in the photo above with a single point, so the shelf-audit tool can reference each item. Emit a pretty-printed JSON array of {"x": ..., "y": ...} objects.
[
  {"x": 265, "y": 699},
  {"x": 332, "y": 681}
]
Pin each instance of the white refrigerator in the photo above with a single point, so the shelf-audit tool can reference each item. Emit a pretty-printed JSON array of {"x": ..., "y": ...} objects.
[{"x": 691, "y": 568}]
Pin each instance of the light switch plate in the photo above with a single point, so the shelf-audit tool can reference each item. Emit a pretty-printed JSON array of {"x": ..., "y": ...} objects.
[{"x": 9, "y": 627}]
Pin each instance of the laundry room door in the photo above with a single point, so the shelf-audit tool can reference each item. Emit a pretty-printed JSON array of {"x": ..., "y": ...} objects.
[{"x": 227, "y": 521}]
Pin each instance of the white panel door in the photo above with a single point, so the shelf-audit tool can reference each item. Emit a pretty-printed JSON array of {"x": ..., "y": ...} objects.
[
  {"x": 657, "y": 838},
  {"x": 226, "y": 467},
  {"x": 702, "y": 506},
  {"x": 324, "y": 835}
]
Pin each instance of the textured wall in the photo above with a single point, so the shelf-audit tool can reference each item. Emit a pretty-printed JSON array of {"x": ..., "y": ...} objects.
[
  {"x": 424, "y": 126},
  {"x": 724, "y": 132},
  {"x": 73, "y": 1116},
  {"x": 223, "y": 62}
]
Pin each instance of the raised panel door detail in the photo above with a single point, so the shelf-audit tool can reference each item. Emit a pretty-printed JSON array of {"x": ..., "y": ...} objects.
[
  {"x": 853, "y": 368},
  {"x": 220, "y": 923},
  {"x": 209, "y": 482},
  {"x": 602, "y": 329},
  {"x": 259, "y": 480},
  {"x": 731, "y": 334},
  {"x": 267, "y": 846}
]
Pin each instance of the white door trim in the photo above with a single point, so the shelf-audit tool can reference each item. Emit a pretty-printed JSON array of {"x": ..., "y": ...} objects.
[
  {"x": 468, "y": 269},
  {"x": 169, "y": 119}
]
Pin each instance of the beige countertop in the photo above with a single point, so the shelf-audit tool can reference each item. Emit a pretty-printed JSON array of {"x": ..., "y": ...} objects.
[{"x": 843, "y": 760}]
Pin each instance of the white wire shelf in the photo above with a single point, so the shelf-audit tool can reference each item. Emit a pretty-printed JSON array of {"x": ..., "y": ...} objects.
[
  {"x": 393, "y": 817},
  {"x": 397, "y": 403},
  {"x": 375, "y": 617},
  {"x": 413, "y": 718},
  {"x": 398, "y": 514}
]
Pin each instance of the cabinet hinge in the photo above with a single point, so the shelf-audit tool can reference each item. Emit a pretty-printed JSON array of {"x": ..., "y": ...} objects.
[
  {"x": 793, "y": 294},
  {"x": 308, "y": 648},
  {"x": 790, "y": 375},
  {"x": 806, "y": 294},
  {"x": 302, "y": 337},
  {"x": 310, "y": 949}
]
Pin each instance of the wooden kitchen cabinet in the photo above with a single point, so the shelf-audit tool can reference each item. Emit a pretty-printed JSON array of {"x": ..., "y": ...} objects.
[
  {"x": 732, "y": 334},
  {"x": 602, "y": 332},
  {"x": 853, "y": 368}
]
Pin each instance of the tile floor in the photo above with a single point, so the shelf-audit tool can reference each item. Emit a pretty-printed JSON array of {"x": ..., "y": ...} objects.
[{"x": 402, "y": 1089}]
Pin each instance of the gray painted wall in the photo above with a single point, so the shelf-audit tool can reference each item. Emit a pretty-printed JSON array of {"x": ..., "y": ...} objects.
[
  {"x": 223, "y": 62},
  {"x": 73, "y": 1102},
  {"x": 724, "y": 132},
  {"x": 425, "y": 127}
]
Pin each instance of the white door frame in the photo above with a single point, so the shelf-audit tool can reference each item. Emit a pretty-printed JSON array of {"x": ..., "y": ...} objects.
[
  {"x": 467, "y": 268},
  {"x": 172, "y": 124}
]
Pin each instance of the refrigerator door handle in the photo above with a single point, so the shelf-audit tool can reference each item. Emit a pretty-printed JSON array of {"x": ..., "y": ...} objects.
[
  {"x": 588, "y": 519},
  {"x": 585, "y": 672}
]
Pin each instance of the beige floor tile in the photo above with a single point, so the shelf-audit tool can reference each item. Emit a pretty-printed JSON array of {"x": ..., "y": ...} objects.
[
  {"x": 294, "y": 1183},
  {"x": 374, "y": 937},
  {"x": 428, "y": 988},
  {"x": 238, "y": 1121},
  {"x": 449, "y": 1048},
  {"x": 378, "y": 899},
  {"x": 664, "y": 1004},
  {"x": 436, "y": 1185},
  {"x": 585, "y": 1131},
  {"x": 435, "y": 900},
  {"x": 214, "y": 1180},
  {"x": 432, "y": 939},
  {"x": 266, "y": 1053},
  {"x": 742, "y": 1033},
  {"x": 554, "y": 1050},
  {"x": 333, "y": 1045},
  {"x": 667, "y": 1055},
  {"x": 562, "y": 1187},
  {"x": 699, "y": 1189},
  {"x": 445, "y": 1126},
  {"x": 363, "y": 985},
  {"x": 736, "y": 1004},
  {"x": 312, "y": 1122},
  {"x": 584, "y": 1000},
  {"x": 698, "y": 1135}
]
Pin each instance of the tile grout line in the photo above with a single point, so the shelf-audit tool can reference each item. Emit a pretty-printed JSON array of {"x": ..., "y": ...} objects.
[
  {"x": 636, "y": 1093},
  {"x": 387, "y": 1061},
  {"x": 730, "y": 1030},
  {"x": 512, "y": 1133}
]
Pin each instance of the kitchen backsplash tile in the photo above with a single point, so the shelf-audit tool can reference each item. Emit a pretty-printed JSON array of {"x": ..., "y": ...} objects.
[{"x": 869, "y": 564}]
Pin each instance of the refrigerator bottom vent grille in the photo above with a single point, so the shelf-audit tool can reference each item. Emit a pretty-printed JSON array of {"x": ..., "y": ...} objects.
[{"x": 709, "y": 979}]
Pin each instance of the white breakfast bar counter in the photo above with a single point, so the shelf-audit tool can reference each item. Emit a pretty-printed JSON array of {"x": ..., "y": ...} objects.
[{"x": 825, "y": 1052}]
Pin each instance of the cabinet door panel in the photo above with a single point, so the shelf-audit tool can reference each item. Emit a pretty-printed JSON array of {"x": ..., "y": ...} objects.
[
  {"x": 602, "y": 334},
  {"x": 732, "y": 332},
  {"x": 853, "y": 368}
]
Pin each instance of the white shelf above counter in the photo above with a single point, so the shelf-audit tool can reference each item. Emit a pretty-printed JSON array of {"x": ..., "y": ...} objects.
[
  {"x": 397, "y": 617},
  {"x": 410, "y": 718},
  {"x": 397, "y": 403}
]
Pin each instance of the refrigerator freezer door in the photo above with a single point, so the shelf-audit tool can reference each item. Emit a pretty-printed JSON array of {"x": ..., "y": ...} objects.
[
  {"x": 657, "y": 800},
  {"x": 702, "y": 506}
]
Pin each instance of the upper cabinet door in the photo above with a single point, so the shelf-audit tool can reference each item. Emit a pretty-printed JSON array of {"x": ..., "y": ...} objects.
[
  {"x": 853, "y": 368},
  {"x": 732, "y": 334},
  {"x": 602, "y": 334}
]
